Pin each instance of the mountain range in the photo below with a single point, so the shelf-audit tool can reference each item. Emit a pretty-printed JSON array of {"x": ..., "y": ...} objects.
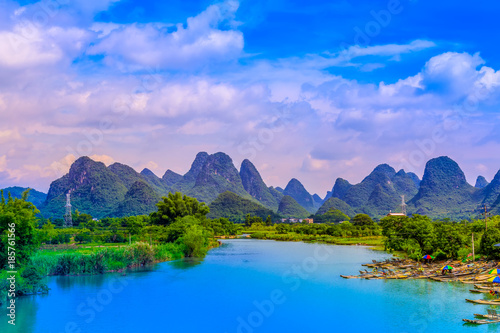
[{"x": 118, "y": 190}]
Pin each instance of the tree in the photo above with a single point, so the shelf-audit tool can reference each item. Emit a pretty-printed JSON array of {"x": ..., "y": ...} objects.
[
  {"x": 449, "y": 239},
  {"x": 175, "y": 206},
  {"x": 282, "y": 228},
  {"x": 269, "y": 222},
  {"x": 18, "y": 222},
  {"x": 48, "y": 232},
  {"x": 334, "y": 216},
  {"x": 83, "y": 236},
  {"x": 489, "y": 239},
  {"x": 195, "y": 241},
  {"x": 89, "y": 224},
  {"x": 134, "y": 224},
  {"x": 80, "y": 218},
  {"x": 392, "y": 227},
  {"x": 421, "y": 230},
  {"x": 362, "y": 220}
]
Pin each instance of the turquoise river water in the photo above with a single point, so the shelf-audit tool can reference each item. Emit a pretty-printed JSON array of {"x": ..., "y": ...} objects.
[{"x": 250, "y": 286}]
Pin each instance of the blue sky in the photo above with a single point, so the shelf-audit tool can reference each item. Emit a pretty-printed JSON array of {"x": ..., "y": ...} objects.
[{"x": 308, "y": 89}]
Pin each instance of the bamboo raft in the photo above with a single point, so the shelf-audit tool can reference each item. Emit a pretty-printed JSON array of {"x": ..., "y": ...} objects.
[
  {"x": 482, "y": 321},
  {"x": 481, "y": 301}
]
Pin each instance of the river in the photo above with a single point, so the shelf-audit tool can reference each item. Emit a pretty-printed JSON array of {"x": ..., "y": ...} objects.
[{"x": 249, "y": 286}]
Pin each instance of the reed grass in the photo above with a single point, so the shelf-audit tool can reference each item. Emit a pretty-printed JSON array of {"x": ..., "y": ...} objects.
[{"x": 92, "y": 261}]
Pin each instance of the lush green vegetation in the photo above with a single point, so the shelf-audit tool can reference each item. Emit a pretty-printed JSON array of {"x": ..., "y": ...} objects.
[
  {"x": 235, "y": 208},
  {"x": 342, "y": 234},
  {"x": 331, "y": 216},
  {"x": 290, "y": 208},
  {"x": 419, "y": 235},
  {"x": 335, "y": 204}
]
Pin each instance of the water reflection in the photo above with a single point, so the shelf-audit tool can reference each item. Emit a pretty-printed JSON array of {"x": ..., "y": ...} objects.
[
  {"x": 24, "y": 320},
  {"x": 68, "y": 282},
  {"x": 186, "y": 263}
]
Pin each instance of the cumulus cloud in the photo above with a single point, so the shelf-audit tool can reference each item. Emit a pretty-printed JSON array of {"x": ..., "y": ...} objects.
[
  {"x": 157, "y": 45},
  {"x": 107, "y": 160},
  {"x": 28, "y": 45}
]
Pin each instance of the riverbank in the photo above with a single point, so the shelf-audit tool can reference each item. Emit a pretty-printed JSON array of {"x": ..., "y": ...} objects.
[{"x": 374, "y": 242}]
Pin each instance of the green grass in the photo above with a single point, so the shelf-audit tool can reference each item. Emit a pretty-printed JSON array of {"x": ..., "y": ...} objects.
[{"x": 99, "y": 259}]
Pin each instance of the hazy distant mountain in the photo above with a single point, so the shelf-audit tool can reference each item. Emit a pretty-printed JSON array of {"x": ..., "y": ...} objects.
[
  {"x": 481, "y": 182},
  {"x": 289, "y": 207},
  {"x": 255, "y": 186},
  {"x": 235, "y": 208},
  {"x": 35, "y": 197},
  {"x": 491, "y": 192},
  {"x": 296, "y": 190},
  {"x": 317, "y": 201},
  {"x": 340, "y": 188},
  {"x": 170, "y": 178},
  {"x": 158, "y": 184}
]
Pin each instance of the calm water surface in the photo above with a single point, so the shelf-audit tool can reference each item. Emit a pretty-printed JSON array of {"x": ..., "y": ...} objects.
[{"x": 250, "y": 286}]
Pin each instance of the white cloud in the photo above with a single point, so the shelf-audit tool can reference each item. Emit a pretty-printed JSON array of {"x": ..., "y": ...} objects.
[
  {"x": 107, "y": 160},
  {"x": 387, "y": 50},
  {"x": 154, "y": 45},
  {"x": 27, "y": 45}
]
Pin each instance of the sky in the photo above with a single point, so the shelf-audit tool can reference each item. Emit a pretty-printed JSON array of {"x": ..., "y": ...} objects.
[{"x": 312, "y": 90}]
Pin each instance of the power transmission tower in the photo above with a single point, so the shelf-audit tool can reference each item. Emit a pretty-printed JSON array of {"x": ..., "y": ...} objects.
[
  {"x": 403, "y": 205},
  {"x": 68, "y": 218}
]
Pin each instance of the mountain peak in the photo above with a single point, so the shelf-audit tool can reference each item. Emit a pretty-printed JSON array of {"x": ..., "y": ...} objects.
[
  {"x": 444, "y": 170},
  {"x": 340, "y": 188},
  {"x": 297, "y": 191},
  {"x": 147, "y": 172},
  {"x": 444, "y": 190},
  {"x": 171, "y": 177},
  {"x": 217, "y": 175},
  {"x": 255, "y": 186},
  {"x": 289, "y": 207},
  {"x": 481, "y": 182},
  {"x": 196, "y": 166}
]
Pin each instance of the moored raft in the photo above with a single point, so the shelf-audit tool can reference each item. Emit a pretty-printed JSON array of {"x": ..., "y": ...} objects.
[{"x": 481, "y": 321}]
